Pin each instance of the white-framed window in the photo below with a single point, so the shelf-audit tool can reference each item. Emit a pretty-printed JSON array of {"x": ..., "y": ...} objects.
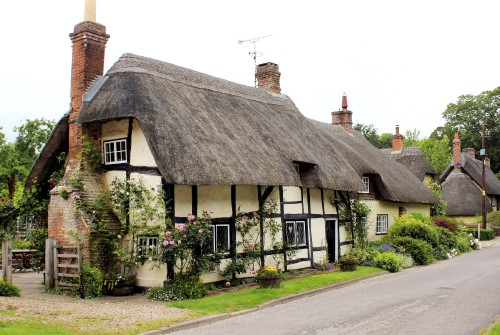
[
  {"x": 295, "y": 233},
  {"x": 366, "y": 182},
  {"x": 147, "y": 247},
  {"x": 382, "y": 223},
  {"x": 115, "y": 151}
]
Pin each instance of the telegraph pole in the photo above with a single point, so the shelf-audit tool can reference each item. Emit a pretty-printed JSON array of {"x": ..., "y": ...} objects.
[{"x": 483, "y": 158}]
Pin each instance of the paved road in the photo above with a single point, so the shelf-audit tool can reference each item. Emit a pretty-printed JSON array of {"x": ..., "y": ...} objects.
[{"x": 457, "y": 296}]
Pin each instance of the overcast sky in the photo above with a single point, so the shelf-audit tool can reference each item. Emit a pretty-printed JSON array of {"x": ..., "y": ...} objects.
[{"x": 399, "y": 62}]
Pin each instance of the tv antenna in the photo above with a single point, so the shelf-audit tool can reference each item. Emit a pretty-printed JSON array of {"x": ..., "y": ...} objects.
[{"x": 254, "y": 53}]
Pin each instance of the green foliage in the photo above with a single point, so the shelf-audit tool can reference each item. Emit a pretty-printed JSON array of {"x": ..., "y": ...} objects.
[
  {"x": 421, "y": 251},
  {"x": 63, "y": 193},
  {"x": 493, "y": 218},
  {"x": 366, "y": 254},
  {"x": 385, "y": 141},
  {"x": 92, "y": 280},
  {"x": 353, "y": 214},
  {"x": 187, "y": 286},
  {"x": 438, "y": 209},
  {"x": 405, "y": 260},
  {"x": 388, "y": 261},
  {"x": 9, "y": 290},
  {"x": 446, "y": 238},
  {"x": 411, "y": 137},
  {"x": 463, "y": 242},
  {"x": 38, "y": 237},
  {"x": 91, "y": 155},
  {"x": 159, "y": 293},
  {"x": 437, "y": 151},
  {"x": 467, "y": 115},
  {"x": 408, "y": 226},
  {"x": 189, "y": 246},
  {"x": 8, "y": 215},
  {"x": 486, "y": 234},
  {"x": 371, "y": 134}
]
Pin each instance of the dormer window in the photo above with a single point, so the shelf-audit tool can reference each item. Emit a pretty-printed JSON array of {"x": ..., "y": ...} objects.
[
  {"x": 366, "y": 182},
  {"x": 297, "y": 168},
  {"x": 115, "y": 152}
]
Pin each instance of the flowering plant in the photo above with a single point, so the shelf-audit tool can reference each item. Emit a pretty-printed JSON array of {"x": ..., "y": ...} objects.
[
  {"x": 268, "y": 272},
  {"x": 348, "y": 259},
  {"x": 189, "y": 246}
]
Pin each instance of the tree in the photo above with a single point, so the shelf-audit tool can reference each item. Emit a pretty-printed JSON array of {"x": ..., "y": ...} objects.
[
  {"x": 437, "y": 151},
  {"x": 467, "y": 116},
  {"x": 369, "y": 132},
  {"x": 385, "y": 141},
  {"x": 411, "y": 137}
]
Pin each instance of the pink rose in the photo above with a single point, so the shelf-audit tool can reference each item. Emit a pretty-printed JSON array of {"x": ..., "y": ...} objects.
[
  {"x": 165, "y": 243},
  {"x": 184, "y": 236},
  {"x": 168, "y": 234},
  {"x": 255, "y": 214},
  {"x": 251, "y": 245},
  {"x": 181, "y": 227},
  {"x": 244, "y": 217},
  {"x": 179, "y": 242},
  {"x": 190, "y": 217},
  {"x": 195, "y": 223},
  {"x": 210, "y": 213},
  {"x": 172, "y": 242},
  {"x": 228, "y": 284},
  {"x": 200, "y": 231}
]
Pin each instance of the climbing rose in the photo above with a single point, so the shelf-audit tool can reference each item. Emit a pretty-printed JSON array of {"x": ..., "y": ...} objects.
[
  {"x": 181, "y": 227},
  {"x": 200, "y": 231},
  {"x": 251, "y": 245},
  {"x": 172, "y": 242},
  {"x": 165, "y": 243},
  {"x": 190, "y": 217},
  {"x": 179, "y": 242},
  {"x": 244, "y": 217},
  {"x": 168, "y": 234},
  {"x": 195, "y": 222}
]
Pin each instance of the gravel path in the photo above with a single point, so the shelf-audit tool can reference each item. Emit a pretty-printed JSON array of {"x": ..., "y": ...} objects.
[{"x": 94, "y": 315}]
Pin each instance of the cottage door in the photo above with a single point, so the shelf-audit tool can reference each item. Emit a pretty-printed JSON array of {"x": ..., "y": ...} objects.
[{"x": 331, "y": 239}]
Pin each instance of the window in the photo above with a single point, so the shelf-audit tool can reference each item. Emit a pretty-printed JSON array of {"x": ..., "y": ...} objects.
[
  {"x": 382, "y": 223},
  {"x": 295, "y": 233},
  {"x": 221, "y": 239},
  {"x": 147, "y": 247},
  {"x": 115, "y": 151},
  {"x": 366, "y": 182}
]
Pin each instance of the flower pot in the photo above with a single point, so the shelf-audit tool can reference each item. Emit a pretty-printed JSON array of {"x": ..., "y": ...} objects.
[
  {"x": 348, "y": 267},
  {"x": 270, "y": 282}
]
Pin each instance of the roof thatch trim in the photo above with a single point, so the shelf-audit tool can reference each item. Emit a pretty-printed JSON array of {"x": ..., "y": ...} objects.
[
  {"x": 47, "y": 160},
  {"x": 394, "y": 181},
  {"x": 463, "y": 195},
  {"x": 414, "y": 160},
  {"x": 204, "y": 130},
  {"x": 474, "y": 169}
]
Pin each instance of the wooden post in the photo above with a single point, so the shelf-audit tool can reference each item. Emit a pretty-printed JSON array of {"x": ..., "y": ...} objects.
[
  {"x": 7, "y": 261},
  {"x": 55, "y": 263},
  {"x": 49, "y": 263}
]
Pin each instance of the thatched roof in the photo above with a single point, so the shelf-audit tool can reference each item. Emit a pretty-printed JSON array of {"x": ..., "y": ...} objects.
[
  {"x": 393, "y": 180},
  {"x": 463, "y": 195},
  {"x": 47, "y": 161},
  {"x": 474, "y": 169},
  {"x": 204, "y": 130},
  {"x": 414, "y": 160}
]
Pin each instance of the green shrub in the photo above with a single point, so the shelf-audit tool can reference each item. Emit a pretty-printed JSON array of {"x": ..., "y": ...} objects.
[
  {"x": 421, "y": 251},
  {"x": 161, "y": 294},
  {"x": 365, "y": 254},
  {"x": 38, "y": 237},
  {"x": 408, "y": 226},
  {"x": 463, "y": 242},
  {"x": 486, "y": 234},
  {"x": 445, "y": 238},
  {"x": 493, "y": 218},
  {"x": 421, "y": 217},
  {"x": 405, "y": 260},
  {"x": 388, "y": 261},
  {"x": 187, "y": 286},
  {"x": 441, "y": 252},
  {"x": 92, "y": 281},
  {"x": 9, "y": 290}
]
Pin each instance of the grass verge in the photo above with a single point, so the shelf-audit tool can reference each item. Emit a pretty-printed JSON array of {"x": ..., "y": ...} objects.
[{"x": 253, "y": 297}]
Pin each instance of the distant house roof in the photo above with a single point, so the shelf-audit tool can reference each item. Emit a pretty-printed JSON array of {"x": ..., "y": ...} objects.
[
  {"x": 414, "y": 160},
  {"x": 204, "y": 130},
  {"x": 462, "y": 189}
]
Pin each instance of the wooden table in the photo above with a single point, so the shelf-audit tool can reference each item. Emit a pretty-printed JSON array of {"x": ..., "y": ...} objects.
[{"x": 22, "y": 256}]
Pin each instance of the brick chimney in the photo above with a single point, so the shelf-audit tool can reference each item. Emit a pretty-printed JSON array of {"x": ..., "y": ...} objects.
[
  {"x": 89, "y": 42},
  {"x": 470, "y": 152},
  {"x": 343, "y": 117},
  {"x": 457, "y": 153},
  {"x": 268, "y": 77},
  {"x": 397, "y": 140}
]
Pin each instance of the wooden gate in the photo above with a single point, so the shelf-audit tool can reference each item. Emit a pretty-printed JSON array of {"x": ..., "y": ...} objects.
[{"x": 62, "y": 265}]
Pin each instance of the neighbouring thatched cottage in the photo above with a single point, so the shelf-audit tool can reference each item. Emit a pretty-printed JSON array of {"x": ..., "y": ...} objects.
[
  {"x": 461, "y": 183},
  {"x": 211, "y": 144},
  {"x": 412, "y": 158}
]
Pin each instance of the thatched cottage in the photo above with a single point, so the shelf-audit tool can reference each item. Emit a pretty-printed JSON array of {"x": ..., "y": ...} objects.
[
  {"x": 211, "y": 144},
  {"x": 412, "y": 158},
  {"x": 462, "y": 184}
]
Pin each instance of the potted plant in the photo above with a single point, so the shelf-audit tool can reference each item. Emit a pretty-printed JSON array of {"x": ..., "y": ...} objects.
[
  {"x": 119, "y": 284},
  {"x": 269, "y": 277},
  {"x": 348, "y": 262}
]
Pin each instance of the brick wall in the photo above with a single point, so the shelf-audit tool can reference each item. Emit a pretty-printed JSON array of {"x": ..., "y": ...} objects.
[{"x": 268, "y": 77}]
